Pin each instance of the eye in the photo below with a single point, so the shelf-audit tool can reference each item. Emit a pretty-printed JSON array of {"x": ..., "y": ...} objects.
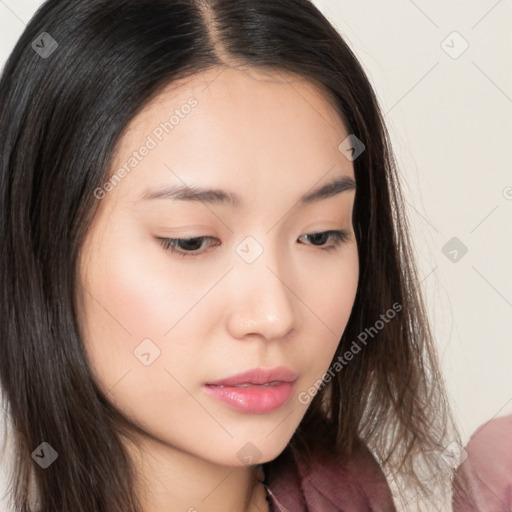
[
  {"x": 185, "y": 246},
  {"x": 193, "y": 246},
  {"x": 338, "y": 237}
]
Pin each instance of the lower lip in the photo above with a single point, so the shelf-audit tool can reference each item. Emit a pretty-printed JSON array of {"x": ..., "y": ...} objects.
[{"x": 252, "y": 399}]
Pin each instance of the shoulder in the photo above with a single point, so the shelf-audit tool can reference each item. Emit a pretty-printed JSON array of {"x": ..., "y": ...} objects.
[
  {"x": 484, "y": 480},
  {"x": 329, "y": 482},
  {"x": 494, "y": 436}
]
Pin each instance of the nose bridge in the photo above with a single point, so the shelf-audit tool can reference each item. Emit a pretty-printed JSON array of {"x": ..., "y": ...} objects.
[{"x": 262, "y": 301}]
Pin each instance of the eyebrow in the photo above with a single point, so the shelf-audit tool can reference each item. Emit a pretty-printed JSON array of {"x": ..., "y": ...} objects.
[{"x": 218, "y": 196}]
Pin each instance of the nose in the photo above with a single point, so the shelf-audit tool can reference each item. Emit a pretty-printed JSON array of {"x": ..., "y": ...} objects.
[{"x": 262, "y": 301}]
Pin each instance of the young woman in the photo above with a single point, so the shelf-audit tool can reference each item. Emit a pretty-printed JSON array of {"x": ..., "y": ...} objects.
[{"x": 208, "y": 296}]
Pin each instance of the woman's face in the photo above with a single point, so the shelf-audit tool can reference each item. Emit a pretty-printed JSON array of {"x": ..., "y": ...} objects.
[{"x": 260, "y": 292}]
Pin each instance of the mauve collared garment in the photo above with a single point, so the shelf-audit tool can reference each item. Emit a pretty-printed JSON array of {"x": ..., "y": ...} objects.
[{"x": 355, "y": 484}]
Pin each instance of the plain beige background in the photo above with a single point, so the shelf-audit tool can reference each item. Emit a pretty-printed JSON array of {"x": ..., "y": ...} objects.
[{"x": 442, "y": 73}]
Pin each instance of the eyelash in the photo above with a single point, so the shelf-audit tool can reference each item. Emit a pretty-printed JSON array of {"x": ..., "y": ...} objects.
[{"x": 169, "y": 244}]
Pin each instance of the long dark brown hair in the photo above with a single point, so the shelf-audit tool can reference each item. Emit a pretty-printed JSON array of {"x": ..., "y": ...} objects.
[{"x": 61, "y": 114}]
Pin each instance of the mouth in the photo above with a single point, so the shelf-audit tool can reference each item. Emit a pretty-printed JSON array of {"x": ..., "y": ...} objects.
[
  {"x": 258, "y": 376},
  {"x": 250, "y": 384},
  {"x": 256, "y": 391}
]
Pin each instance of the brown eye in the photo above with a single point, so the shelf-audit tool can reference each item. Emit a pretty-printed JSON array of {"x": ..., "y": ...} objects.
[
  {"x": 185, "y": 246},
  {"x": 319, "y": 239}
]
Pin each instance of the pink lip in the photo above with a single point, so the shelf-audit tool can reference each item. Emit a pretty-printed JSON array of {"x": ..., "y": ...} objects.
[{"x": 255, "y": 397}]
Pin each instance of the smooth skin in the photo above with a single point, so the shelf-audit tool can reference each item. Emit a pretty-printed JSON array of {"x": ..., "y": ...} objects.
[{"x": 270, "y": 138}]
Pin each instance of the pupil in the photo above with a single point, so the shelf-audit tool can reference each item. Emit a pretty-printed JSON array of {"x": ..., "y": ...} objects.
[
  {"x": 192, "y": 244},
  {"x": 319, "y": 237}
]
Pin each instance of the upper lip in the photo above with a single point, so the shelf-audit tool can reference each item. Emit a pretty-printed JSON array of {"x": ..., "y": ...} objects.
[{"x": 258, "y": 376}]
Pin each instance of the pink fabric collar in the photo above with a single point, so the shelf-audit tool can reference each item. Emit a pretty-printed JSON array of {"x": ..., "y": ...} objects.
[{"x": 327, "y": 484}]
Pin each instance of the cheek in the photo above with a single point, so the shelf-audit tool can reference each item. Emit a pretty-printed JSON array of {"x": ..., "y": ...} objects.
[
  {"x": 128, "y": 311},
  {"x": 330, "y": 299},
  {"x": 137, "y": 288},
  {"x": 134, "y": 294},
  {"x": 331, "y": 292},
  {"x": 123, "y": 302}
]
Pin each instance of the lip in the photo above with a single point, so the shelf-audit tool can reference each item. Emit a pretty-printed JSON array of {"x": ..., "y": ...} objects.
[
  {"x": 264, "y": 390},
  {"x": 258, "y": 376}
]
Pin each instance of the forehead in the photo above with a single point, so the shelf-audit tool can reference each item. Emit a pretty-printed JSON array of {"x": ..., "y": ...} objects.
[
  {"x": 243, "y": 89},
  {"x": 226, "y": 126}
]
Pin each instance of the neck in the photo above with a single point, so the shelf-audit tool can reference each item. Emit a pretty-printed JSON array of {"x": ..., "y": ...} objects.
[{"x": 177, "y": 481}]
